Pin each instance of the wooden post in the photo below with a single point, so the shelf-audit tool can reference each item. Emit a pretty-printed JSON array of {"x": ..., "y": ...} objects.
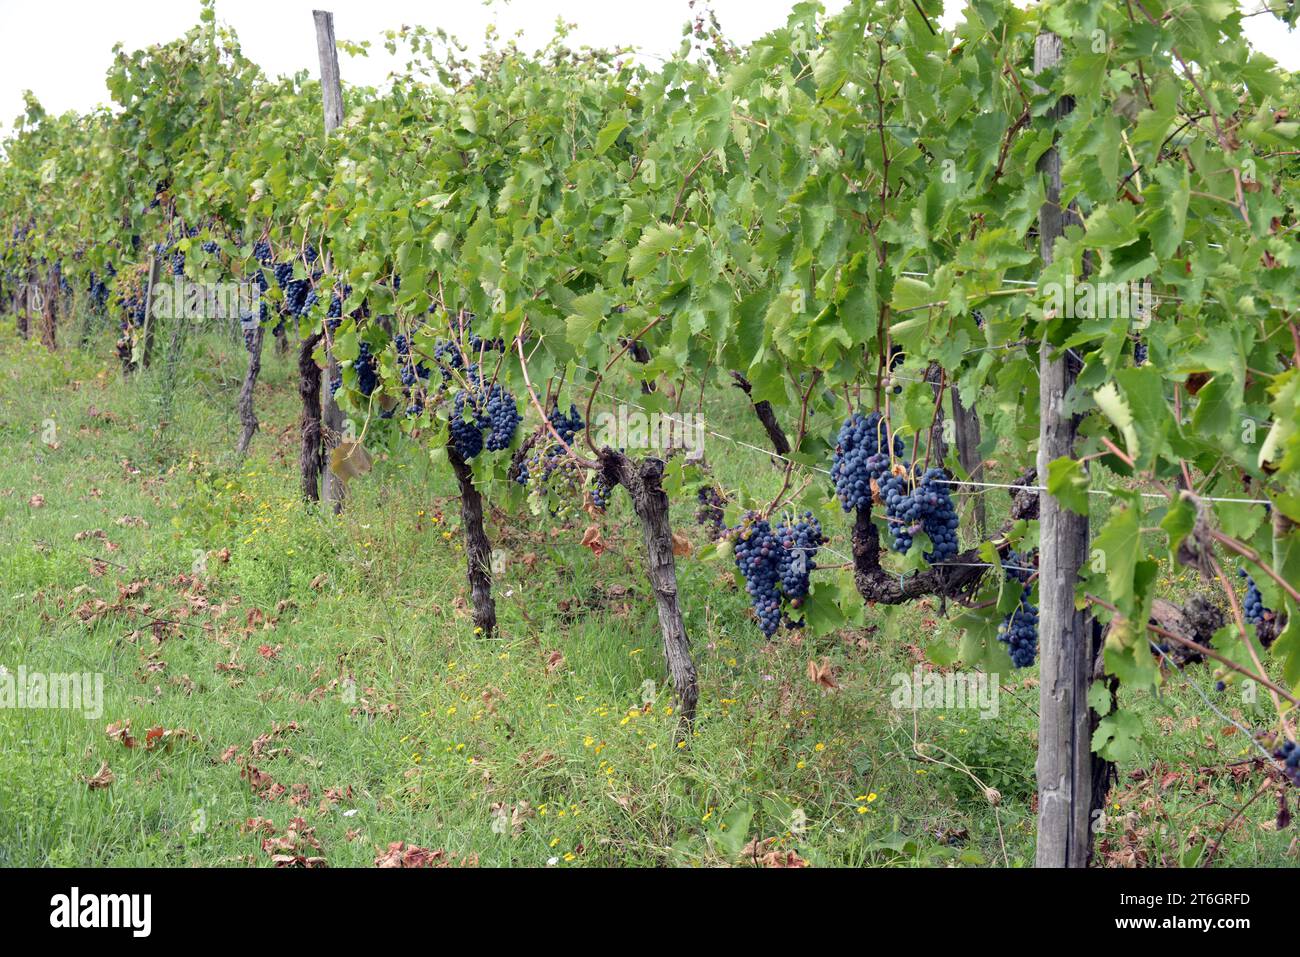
[
  {"x": 332, "y": 488},
  {"x": 146, "y": 336},
  {"x": 21, "y": 305},
  {"x": 50, "y": 312},
  {"x": 966, "y": 425},
  {"x": 1065, "y": 762}
]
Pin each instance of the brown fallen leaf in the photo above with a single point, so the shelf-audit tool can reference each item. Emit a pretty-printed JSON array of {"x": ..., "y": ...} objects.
[
  {"x": 554, "y": 662},
  {"x": 36, "y": 501},
  {"x": 120, "y": 731},
  {"x": 681, "y": 545},
  {"x": 400, "y": 854},
  {"x": 318, "y": 582},
  {"x": 592, "y": 539},
  {"x": 101, "y": 778},
  {"x": 820, "y": 674}
]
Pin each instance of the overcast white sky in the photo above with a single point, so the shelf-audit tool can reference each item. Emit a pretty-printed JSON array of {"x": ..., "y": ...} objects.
[{"x": 61, "y": 49}]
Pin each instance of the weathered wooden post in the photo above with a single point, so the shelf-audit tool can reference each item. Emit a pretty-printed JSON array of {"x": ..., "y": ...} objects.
[
  {"x": 1065, "y": 761},
  {"x": 332, "y": 488}
]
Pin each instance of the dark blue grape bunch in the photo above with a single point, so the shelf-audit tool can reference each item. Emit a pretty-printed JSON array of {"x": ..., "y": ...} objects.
[
  {"x": 601, "y": 489},
  {"x": 566, "y": 426},
  {"x": 447, "y": 355},
  {"x": 210, "y": 247},
  {"x": 336, "y": 383},
  {"x": 178, "y": 263},
  {"x": 927, "y": 506},
  {"x": 295, "y": 296},
  {"x": 283, "y": 273},
  {"x": 1254, "y": 608},
  {"x": 367, "y": 369},
  {"x": 978, "y": 316},
  {"x": 504, "y": 415},
  {"x": 334, "y": 314},
  {"x": 262, "y": 252},
  {"x": 493, "y": 411},
  {"x": 861, "y": 455},
  {"x": 1019, "y": 630},
  {"x": 1288, "y": 753},
  {"x": 799, "y": 541},
  {"x": 466, "y": 434},
  {"x": 711, "y": 510},
  {"x": 758, "y": 557},
  {"x": 309, "y": 254},
  {"x": 1140, "y": 353}
]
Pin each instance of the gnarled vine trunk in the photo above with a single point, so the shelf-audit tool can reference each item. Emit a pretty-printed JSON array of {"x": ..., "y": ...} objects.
[
  {"x": 966, "y": 425},
  {"x": 478, "y": 550},
  {"x": 247, "y": 414},
  {"x": 311, "y": 458},
  {"x": 959, "y": 577},
  {"x": 643, "y": 482},
  {"x": 763, "y": 409},
  {"x": 21, "y": 303}
]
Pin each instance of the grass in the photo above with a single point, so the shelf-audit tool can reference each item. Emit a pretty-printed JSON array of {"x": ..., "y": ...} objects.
[{"x": 325, "y": 669}]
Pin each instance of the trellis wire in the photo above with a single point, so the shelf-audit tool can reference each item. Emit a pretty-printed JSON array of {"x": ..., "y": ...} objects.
[{"x": 987, "y": 485}]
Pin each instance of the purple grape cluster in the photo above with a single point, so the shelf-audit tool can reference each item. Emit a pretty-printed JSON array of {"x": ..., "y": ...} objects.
[
  {"x": 1289, "y": 755},
  {"x": 1019, "y": 630},
  {"x": 758, "y": 558},
  {"x": 861, "y": 455},
  {"x": 1254, "y": 608},
  {"x": 601, "y": 489},
  {"x": 776, "y": 563},
  {"x": 799, "y": 541},
  {"x": 367, "y": 369},
  {"x": 493, "y": 411},
  {"x": 926, "y": 506}
]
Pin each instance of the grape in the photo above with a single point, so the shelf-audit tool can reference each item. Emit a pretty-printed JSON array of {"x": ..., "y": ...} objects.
[
  {"x": 334, "y": 314},
  {"x": 710, "y": 512},
  {"x": 262, "y": 252},
  {"x": 366, "y": 368},
  {"x": 565, "y": 426},
  {"x": 1140, "y": 353},
  {"x": 601, "y": 489},
  {"x": 495, "y": 412},
  {"x": 861, "y": 455},
  {"x": 799, "y": 541},
  {"x": 776, "y": 563},
  {"x": 758, "y": 558},
  {"x": 978, "y": 316},
  {"x": 1019, "y": 630},
  {"x": 1254, "y": 608},
  {"x": 309, "y": 254},
  {"x": 504, "y": 416},
  {"x": 210, "y": 247},
  {"x": 178, "y": 263},
  {"x": 926, "y": 506},
  {"x": 295, "y": 296},
  {"x": 1288, "y": 754},
  {"x": 283, "y": 273}
]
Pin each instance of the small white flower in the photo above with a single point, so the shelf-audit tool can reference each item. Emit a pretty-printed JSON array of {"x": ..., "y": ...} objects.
[
  {"x": 552, "y": 861},
  {"x": 352, "y": 812}
]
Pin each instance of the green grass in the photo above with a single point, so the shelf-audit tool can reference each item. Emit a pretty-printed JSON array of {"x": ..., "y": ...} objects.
[{"x": 351, "y": 635}]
